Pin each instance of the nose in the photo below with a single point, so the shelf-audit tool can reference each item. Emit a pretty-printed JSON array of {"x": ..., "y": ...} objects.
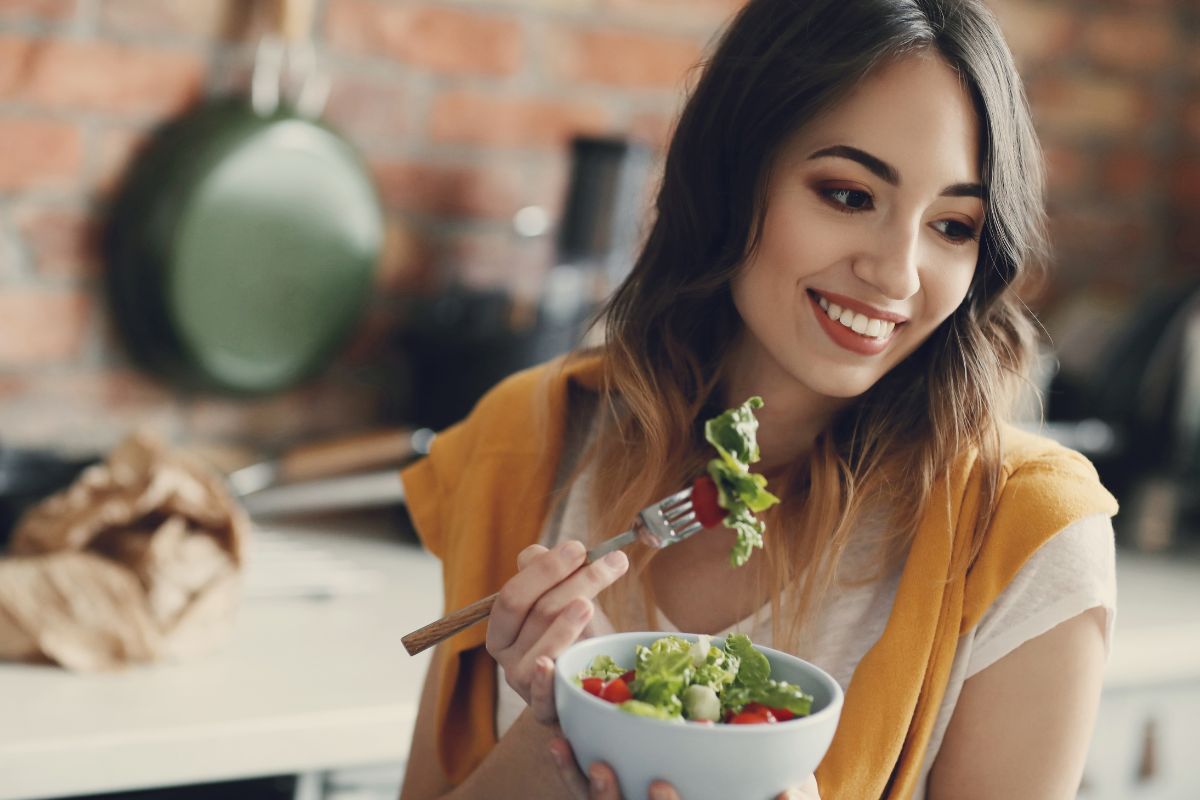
[{"x": 890, "y": 263}]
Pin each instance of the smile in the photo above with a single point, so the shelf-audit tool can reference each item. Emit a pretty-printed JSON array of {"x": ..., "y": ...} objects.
[{"x": 854, "y": 330}]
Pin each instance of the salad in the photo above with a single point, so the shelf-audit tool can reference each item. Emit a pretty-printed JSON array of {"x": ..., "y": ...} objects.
[
  {"x": 730, "y": 494},
  {"x": 674, "y": 679}
]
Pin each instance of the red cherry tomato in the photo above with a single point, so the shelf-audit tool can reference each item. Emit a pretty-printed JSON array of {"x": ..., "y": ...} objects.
[
  {"x": 782, "y": 714},
  {"x": 593, "y": 685},
  {"x": 704, "y": 501},
  {"x": 630, "y": 676},
  {"x": 752, "y": 718},
  {"x": 616, "y": 691}
]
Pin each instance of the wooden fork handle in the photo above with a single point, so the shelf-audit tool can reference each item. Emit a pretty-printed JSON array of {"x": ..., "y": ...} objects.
[{"x": 447, "y": 626}]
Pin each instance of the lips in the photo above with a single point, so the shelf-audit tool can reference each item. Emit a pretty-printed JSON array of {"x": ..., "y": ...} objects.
[{"x": 846, "y": 337}]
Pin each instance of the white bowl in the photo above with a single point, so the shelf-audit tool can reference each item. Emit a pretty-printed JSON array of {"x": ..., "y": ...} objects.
[{"x": 747, "y": 762}]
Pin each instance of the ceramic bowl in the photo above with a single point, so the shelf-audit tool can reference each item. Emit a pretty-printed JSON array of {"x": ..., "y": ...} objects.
[{"x": 747, "y": 762}]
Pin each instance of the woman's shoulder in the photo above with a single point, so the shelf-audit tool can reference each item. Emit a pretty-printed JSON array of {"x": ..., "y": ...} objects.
[
  {"x": 1040, "y": 473},
  {"x": 1045, "y": 488}
]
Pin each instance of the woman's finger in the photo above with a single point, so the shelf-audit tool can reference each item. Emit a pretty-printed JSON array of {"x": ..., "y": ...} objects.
[
  {"x": 520, "y": 592},
  {"x": 541, "y": 692},
  {"x": 526, "y": 556},
  {"x": 602, "y": 782},
  {"x": 561, "y": 634},
  {"x": 587, "y": 582},
  {"x": 805, "y": 791},
  {"x": 661, "y": 790},
  {"x": 564, "y": 762}
]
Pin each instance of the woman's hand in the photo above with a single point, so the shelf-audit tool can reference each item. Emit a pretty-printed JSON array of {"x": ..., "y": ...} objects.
[
  {"x": 601, "y": 782},
  {"x": 543, "y": 610}
]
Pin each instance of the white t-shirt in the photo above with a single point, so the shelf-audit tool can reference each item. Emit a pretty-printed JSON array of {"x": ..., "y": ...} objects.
[{"x": 1073, "y": 572}]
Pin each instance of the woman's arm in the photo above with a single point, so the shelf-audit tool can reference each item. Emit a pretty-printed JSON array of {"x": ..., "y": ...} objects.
[
  {"x": 1021, "y": 727},
  {"x": 518, "y": 767}
]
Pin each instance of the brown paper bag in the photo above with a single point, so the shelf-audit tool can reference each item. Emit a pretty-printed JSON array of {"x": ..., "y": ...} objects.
[{"x": 138, "y": 561}]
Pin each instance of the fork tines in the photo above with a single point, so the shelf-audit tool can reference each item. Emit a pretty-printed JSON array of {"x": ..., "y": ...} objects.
[{"x": 678, "y": 513}]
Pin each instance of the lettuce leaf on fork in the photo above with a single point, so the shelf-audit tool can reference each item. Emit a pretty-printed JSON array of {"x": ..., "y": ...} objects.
[{"x": 740, "y": 492}]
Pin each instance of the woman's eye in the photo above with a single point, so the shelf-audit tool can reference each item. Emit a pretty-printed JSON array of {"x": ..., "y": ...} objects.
[
  {"x": 848, "y": 200},
  {"x": 957, "y": 232}
]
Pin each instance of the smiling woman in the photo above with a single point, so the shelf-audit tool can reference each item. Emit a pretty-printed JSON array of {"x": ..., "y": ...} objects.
[{"x": 851, "y": 197}]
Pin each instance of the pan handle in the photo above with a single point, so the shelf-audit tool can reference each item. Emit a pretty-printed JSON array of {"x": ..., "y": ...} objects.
[
  {"x": 290, "y": 56},
  {"x": 296, "y": 20}
]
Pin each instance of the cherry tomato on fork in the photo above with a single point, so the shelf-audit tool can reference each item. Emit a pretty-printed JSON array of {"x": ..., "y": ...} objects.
[{"x": 704, "y": 502}]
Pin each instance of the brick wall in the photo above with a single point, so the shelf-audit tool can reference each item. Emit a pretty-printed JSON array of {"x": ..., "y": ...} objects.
[{"x": 1115, "y": 85}]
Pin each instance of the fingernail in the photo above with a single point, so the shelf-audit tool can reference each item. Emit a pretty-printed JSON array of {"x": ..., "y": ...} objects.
[
  {"x": 545, "y": 665},
  {"x": 659, "y": 793},
  {"x": 573, "y": 551},
  {"x": 616, "y": 560},
  {"x": 598, "y": 778},
  {"x": 559, "y": 758}
]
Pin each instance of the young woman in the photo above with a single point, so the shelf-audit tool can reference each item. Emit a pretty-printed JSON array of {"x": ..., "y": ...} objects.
[{"x": 850, "y": 197}]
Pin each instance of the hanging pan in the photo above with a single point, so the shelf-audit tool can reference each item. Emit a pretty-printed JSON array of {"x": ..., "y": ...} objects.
[{"x": 240, "y": 249}]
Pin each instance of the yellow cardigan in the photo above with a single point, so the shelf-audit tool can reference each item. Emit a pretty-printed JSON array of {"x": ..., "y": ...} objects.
[{"x": 483, "y": 493}]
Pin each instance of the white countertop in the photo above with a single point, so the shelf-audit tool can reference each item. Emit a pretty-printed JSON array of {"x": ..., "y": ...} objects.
[{"x": 304, "y": 685}]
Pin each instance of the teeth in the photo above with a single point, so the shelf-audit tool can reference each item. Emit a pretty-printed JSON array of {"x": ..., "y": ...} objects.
[{"x": 859, "y": 323}]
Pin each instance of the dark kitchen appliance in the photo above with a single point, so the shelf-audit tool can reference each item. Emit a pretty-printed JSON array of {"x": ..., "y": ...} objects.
[{"x": 461, "y": 342}]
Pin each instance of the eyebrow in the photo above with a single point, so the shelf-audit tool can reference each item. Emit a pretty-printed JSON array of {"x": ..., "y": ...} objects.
[{"x": 888, "y": 173}]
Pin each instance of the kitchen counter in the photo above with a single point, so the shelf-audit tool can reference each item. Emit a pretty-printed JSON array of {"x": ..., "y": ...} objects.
[
  {"x": 307, "y": 685},
  {"x": 304, "y": 685}
]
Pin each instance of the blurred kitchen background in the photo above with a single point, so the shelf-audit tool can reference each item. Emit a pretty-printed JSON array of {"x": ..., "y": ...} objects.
[{"x": 512, "y": 146}]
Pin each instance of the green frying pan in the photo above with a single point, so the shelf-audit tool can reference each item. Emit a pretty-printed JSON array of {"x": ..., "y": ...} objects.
[{"x": 241, "y": 247}]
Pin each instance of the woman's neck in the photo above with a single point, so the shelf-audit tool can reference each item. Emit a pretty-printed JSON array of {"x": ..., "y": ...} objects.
[{"x": 792, "y": 415}]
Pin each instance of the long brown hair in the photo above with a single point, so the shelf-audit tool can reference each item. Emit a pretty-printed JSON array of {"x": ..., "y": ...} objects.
[{"x": 778, "y": 65}]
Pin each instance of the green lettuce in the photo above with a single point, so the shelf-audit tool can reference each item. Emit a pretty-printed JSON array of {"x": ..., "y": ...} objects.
[
  {"x": 603, "y": 667},
  {"x": 740, "y": 492}
]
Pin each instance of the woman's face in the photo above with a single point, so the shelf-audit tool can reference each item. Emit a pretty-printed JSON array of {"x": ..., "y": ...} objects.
[{"x": 871, "y": 233}]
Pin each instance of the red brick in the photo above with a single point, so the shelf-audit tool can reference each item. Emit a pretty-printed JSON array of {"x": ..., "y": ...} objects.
[
  {"x": 236, "y": 21},
  {"x": 440, "y": 39},
  {"x": 38, "y": 327},
  {"x": 39, "y": 154},
  {"x": 1128, "y": 173},
  {"x": 405, "y": 260},
  {"x": 62, "y": 241},
  {"x": 1088, "y": 106},
  {"x": 368, "y": 108},
  {"x": 493, "y": 191},
  {"x": 93, "y": 76},
  {"x": 117, "y": 147},
  {"x": 85, "y": 409},
  {"x": 1191, "y": 117},
  {"x": 322, "y": 407},
  {"x": 622, "y": 58},
  {"x": 43, "y": 10},
  {"x": 653, "y": 129},
  {"x": 1037, "y": 32},
  {"x": 1185, "y": 184},
  {"x": 1137, "y": 42},
  {"x": 486, "y": 118},
  {"x": 1067, "y": 170},
  {"x": 706, "y": 15},
  {"x": 1088, "y": 241},
  {"x": 496, "y": 260}
]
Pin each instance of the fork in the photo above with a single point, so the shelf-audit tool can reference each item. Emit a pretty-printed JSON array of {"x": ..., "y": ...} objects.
[{"x": 658, "y": 525}]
